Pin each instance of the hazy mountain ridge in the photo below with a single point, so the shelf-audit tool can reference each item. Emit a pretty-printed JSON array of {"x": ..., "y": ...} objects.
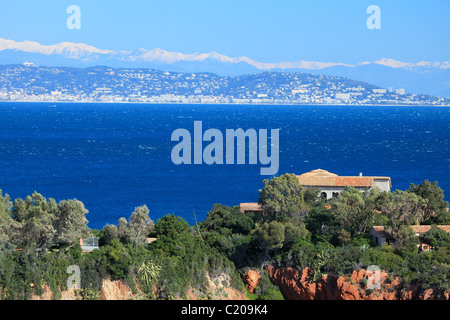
[{"x": 424, "y": 77}]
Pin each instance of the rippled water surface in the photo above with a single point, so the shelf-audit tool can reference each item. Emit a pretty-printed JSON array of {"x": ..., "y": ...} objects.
[{"x": 114, "y": 157}]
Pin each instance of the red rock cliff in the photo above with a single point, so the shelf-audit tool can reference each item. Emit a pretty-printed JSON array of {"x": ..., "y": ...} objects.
[{"x": 297, "y": 285}]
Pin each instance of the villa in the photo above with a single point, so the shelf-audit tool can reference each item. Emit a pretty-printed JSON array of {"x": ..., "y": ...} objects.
[{"x": 330, "y": 184}]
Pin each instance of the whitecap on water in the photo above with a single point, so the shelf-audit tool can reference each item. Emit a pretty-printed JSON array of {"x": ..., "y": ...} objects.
[{"x": 146, "y": 147}]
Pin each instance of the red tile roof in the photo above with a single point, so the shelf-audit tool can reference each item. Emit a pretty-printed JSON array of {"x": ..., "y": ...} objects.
[
  {"x": 424, "y": 228},
  {"x": 250, "y": 206},
  {"x": 417, "y": 229},
  {"x": 382, "y": 232},
  {"x": 323, "y": 178}
]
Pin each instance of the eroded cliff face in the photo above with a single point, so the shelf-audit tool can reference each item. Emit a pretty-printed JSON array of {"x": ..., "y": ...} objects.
[
  {"x": 294, "y": 284},
  {"x": 251, "y": 280},
  {"x": 297, "y": 285},
  {"x": 217, "y": 288},
  {"x": 111, "y": 290},
  {"x": 116, "y": 290}
]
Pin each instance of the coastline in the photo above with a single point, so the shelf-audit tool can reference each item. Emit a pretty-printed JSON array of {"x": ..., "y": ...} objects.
[{"x": 232, "y": 104}]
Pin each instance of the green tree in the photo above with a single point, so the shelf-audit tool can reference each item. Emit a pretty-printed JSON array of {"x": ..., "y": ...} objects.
[
  {"x": 134, "y": 231},
  {"x": 293, "y": 231},
  {"x": 281, "y": 198},
  {"x": 321, "y": 221},
  {"x": 35, "y": 232},
  {"x": 356, "y": 210},
  {"x": 70, "y": 221},
  {"x": 227, "y": 220},
  {"x": 108, "y": 234},
  {"x": 344, "y": 237},
  {"x": 311, "y": 195},
  {"x": 140, "y": 225},
  {"x": 402, "y": 208},
  {"x": 33, "y": 222},
  {"x": 34, "y": 206},
  {"x": 5, "y": 206},
  {"x": 238, "y": 222},
  {"x": 270, "y": 236},
  {"x": 118, "y": 259},
  {"x": 6, "y": 220},
  {"x": 434, "y": 206},
  {"x": 171, "y": 226},
  {"x": 122, "y": 230},
  {"x": 436, "y": 237},
  {"x": 406, "y": 242}
]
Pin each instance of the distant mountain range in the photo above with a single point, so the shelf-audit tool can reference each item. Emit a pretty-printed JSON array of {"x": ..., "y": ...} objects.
[{"x": 423, "y": 77}]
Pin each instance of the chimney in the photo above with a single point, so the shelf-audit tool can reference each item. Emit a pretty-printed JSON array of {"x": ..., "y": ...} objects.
[{"x": 360, "y": 174}]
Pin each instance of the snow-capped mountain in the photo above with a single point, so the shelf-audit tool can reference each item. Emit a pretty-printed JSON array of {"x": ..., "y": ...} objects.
[
  {"x": 398, "y": 64},
  {"x": 83, "y": 52},
  {"x": 420, "y": 77},
  {"x": 68, "y": 49}
]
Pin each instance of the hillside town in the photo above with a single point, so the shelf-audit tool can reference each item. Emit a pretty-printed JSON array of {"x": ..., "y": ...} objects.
[{"x": 31, "y": 83}]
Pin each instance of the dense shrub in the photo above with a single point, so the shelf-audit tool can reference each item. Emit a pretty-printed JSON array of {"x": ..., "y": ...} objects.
[
  {"x": 436, "y": 237},
  {"x": 295, "y": 230}
]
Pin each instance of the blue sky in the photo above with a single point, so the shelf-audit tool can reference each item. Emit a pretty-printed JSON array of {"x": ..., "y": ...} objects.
[{"x": 264, "y": 30}]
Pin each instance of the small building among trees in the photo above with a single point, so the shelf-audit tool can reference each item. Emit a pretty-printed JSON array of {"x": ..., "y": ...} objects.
[
  {"x": 380, "y": 236},
  {"x": 250, "y": 207},
  {"x": 89, "y": 244}
]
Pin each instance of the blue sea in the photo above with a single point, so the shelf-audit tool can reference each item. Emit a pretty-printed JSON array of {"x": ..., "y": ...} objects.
[{"x": 115, "y": 157}]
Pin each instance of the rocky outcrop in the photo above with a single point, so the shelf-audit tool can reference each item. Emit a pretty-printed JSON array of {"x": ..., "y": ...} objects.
[
  {"x": 251, "y": 280},
  {"x": 46, "y": 295},
  {"x": 111, "y": 290},
  {"x": 115, "y": 290},
  {"x": 217, "y": 288},
  {"x": 360, "y": 285}
]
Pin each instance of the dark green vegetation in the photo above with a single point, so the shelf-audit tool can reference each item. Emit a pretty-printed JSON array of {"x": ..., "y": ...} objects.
[{"x": 39, "y": 240}]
